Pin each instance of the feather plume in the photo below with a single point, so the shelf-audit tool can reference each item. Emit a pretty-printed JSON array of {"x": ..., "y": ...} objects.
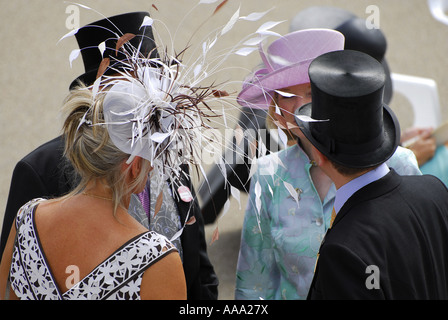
[
  {"x": 122, "y": 40},
  {"x": 158, "y": 108},
  {"x": 103, "y": 66},
  {"x": 220, "y": 6}
]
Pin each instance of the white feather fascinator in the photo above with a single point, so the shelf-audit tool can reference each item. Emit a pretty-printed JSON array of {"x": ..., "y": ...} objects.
[{"x": 157, "y": 107}]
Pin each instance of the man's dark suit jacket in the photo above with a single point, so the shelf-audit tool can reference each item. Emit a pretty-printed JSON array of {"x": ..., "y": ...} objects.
[
  {"x": 397, "y": 225},
  {"x": 45, "y": 172}
]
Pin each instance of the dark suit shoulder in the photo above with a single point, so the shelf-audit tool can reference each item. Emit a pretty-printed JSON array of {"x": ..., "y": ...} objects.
[
  {"x": 394, "y": 191},
  {"x": 392, "y": 212},
  {"x": 425, "y": 195},
  {"x": 423, "y": 183},
  {"x": 50, "y": 165},
  {"x": 400, "y": 225},
  {"x": 396, "y": 198},
  {"x": 51, "y": 150}
]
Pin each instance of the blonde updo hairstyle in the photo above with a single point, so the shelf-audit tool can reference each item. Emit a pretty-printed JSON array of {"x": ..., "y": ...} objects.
[{"x": 90, "y": 149}]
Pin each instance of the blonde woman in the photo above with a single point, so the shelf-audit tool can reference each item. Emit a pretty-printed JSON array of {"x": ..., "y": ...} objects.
[
  {"x": 45, "y": 172},
  {"x": 86, "y": 245},
  {"x": 138, "y": 118}
]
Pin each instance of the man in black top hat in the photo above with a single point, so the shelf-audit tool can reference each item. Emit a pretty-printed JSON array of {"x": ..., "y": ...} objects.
[
  {"x": 45, "y": 172},
  {"x": 389, "y": 237}
]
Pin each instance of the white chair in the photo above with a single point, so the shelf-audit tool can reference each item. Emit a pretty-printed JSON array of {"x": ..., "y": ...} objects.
[
  {"x": 423, "y": 96},
  {"x": 438, "y": 10}
]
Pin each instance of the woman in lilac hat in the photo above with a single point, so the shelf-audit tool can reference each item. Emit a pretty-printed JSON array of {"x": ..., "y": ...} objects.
[
  {"x": 286, "y": 63},
  {"x": 290, "y": 198}
]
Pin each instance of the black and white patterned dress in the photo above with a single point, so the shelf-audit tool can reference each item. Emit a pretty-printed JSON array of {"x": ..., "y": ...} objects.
[{"x": 116, "y": 278}]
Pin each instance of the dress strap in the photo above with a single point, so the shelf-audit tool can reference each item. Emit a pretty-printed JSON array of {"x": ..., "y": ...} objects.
[
  {"x": 122, "y": 267},
  {"x": 30, "y": 275}
]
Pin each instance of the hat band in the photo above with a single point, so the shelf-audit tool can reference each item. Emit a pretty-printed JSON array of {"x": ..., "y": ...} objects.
[{"x": 333, "y": 146}]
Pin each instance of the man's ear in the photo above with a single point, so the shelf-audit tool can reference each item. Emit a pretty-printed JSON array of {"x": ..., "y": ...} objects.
[{"x": 319, "y": 157}]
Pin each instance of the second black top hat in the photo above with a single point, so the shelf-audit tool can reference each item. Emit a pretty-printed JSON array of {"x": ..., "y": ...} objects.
[{"x": 109, "y": 30}]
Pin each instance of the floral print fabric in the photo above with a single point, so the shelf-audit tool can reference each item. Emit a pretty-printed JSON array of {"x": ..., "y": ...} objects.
[{"x": 118, "y": 277}]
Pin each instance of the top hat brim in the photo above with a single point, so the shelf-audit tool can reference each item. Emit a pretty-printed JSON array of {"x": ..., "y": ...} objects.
[
  {"x": 371, "y": 158},
  {"x": 89, "y": 77},
  {"x": 86, "y": 78}
]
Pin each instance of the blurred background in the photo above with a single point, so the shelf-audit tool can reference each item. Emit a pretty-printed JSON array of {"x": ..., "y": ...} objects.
[{"x": 35, "y": 71}]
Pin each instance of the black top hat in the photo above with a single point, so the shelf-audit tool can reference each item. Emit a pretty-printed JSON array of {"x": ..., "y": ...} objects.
[
  {"x": 357, "y": 130},
  {"x": 357, "y": 35},
  {"x": 110, "y": 30}
]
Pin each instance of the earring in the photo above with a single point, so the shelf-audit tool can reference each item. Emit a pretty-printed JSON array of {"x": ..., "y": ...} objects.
[{"x": 313, "y": 163}]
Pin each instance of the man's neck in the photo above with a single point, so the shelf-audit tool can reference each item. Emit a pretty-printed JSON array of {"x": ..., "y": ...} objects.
[
  {"x": 340, "y": 179},
  {"x": 344, "y": 192}
]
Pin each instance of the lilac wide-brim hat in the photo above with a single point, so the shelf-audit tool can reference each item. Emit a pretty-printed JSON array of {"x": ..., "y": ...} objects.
[{"x": 286, "y": 64}]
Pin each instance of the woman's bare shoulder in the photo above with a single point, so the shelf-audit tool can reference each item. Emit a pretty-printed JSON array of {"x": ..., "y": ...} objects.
[{"x": 164, "y": 280}]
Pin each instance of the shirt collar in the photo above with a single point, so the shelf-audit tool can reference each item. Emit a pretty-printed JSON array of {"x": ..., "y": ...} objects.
[{"x": 348, "y": 189}]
